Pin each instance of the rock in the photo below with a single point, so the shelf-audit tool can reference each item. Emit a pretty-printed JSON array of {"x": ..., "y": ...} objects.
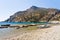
[{"x": 35, "y": 14}]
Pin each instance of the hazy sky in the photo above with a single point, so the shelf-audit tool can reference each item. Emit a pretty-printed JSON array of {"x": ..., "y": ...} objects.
[{"x": 9, "y": 7}]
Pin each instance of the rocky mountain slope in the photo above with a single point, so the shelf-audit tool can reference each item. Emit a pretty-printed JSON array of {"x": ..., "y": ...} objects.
[{"x": 35, "y": 14}]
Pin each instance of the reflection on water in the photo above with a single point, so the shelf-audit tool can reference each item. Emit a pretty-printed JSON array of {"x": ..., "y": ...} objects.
[
  {"x": 7, "y": 31},
  {"x": 11, "y": 31}
]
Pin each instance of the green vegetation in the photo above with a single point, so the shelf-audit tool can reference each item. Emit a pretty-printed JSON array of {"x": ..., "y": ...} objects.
[{"x": 31, "y": 28}]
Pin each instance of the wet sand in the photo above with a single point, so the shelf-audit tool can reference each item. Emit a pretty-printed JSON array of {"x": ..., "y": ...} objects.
[{"x": 52, "y": 33}]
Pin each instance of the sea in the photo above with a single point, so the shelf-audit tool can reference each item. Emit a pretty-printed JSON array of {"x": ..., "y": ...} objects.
[
  {"x": 9, "y": 31},
  {"x": 3, "y": 23}
]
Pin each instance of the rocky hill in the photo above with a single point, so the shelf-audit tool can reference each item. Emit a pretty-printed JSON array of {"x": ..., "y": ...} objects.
[{"x": 35, "y": 14}]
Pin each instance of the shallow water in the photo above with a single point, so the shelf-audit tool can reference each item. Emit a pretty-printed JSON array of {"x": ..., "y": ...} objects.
[
  {"x": 6, "y": 31},
  {"x": 11, "y": 31}
]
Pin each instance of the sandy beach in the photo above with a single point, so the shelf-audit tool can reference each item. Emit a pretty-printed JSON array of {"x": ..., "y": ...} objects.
[{"x": 52, "y": 33}]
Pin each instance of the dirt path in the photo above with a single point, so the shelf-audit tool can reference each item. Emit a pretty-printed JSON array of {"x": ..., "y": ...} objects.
[{"x": 52, "y": 33}]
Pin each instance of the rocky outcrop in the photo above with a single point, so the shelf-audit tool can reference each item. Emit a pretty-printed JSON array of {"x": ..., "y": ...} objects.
[{"x": 35, "y": 14}]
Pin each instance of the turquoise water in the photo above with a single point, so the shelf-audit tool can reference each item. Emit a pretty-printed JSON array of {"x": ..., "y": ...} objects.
[
  {"x": 1, "y": 23},
  {"x": 10, "y": 31}
]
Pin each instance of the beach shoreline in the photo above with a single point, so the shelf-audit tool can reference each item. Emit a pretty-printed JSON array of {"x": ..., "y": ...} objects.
[{"x": 51, "y": 33}]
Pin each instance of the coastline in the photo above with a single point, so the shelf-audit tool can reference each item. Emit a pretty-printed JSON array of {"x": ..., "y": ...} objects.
[{"x": 51, "y": 33}]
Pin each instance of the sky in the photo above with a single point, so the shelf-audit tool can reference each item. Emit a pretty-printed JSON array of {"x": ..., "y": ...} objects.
[{"x": 9, "y": 7}]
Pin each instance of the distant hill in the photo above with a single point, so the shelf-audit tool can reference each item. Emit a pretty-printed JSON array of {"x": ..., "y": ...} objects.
[{"x": 35, "y": 14}]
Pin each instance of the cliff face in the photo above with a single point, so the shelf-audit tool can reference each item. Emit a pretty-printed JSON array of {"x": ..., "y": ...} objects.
[{"x": 35, "y": 14}]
